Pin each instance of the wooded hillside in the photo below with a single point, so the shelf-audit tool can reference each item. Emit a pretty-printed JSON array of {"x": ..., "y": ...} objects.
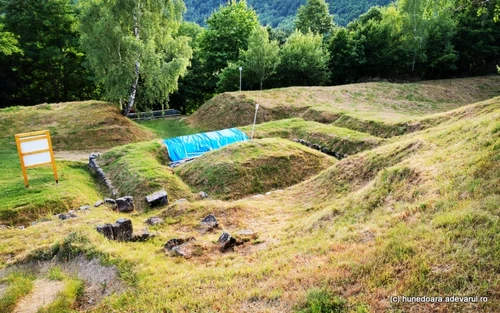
[{"x": 282, "y": 12}]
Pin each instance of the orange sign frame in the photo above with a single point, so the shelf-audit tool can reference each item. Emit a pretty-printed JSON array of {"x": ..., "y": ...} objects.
[{"x": 29, "y": 155}]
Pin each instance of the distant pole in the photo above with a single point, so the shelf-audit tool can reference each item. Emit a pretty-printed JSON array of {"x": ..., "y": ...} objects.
[
  {"x": 241, "y": 69},
  {"x": 254, "y": 119}
]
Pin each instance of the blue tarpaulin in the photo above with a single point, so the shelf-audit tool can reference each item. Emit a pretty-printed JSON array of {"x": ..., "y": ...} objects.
[{"x": 184, "y": 147}]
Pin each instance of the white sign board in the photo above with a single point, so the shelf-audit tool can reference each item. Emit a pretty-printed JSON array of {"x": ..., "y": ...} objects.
[
  {"x": 35, "y": 145},
  {"x": 35, "y": 149},
  {"x": 37, "y": 159}
]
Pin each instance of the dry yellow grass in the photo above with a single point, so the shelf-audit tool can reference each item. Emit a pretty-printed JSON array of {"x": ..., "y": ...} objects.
[
  {"x": 74, "y": 125},
  {"x": 417, "y": 215},
  {"x": 382, "y": 109}
]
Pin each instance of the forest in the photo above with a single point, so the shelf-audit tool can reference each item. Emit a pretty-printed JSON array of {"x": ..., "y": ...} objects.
[
  {"x": 148, "y": 57},
  {"x": 281, "y": 14}
]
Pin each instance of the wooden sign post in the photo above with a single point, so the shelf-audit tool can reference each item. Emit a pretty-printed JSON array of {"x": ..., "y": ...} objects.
[{"x": 35, "y": 149}]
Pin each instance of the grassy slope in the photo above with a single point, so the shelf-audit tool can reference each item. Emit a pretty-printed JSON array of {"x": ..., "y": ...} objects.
[
  {"x": 381, "y": 109},
  {"x": 74, "y": 125},
  {"x": 19, "y": 284},
  {"x": 139, "y": 169},
  {"x": 430, "y": 201},
  {"x": 417, "y": 215},
  {"x": 338, "y": 139},
  {"x": 79, "y": 125},
  {"x": 169, "y": 127},
  {"x": 253, "y": 167},
  {"x": 20, "y": 205}
]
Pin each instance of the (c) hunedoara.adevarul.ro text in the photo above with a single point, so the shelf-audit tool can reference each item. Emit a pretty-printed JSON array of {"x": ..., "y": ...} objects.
[{"x": 438, "y": 299}]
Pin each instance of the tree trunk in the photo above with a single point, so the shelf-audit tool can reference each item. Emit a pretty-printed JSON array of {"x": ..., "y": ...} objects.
[
  {"x": 133, "y": 89},
  {"x": 414, "y": 60}
]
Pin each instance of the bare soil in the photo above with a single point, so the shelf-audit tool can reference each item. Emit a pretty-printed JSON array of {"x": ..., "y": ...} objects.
[
  {"x": 3, "y": 289},
  {"x": 81, "y": 156},
  {"x": 44, "y": 292},
  {"x": 100, "y": 281}
]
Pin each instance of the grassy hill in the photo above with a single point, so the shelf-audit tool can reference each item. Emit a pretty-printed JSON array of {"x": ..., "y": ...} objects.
[
  {"x": 83, "y": 126},
  {"x": 338, "y": 139},
  {"x": 74, "y": 125},
  {"x": 141, "y": 168},
  {"x": 253, "y": 167},
  {"x": 415, "y": 214},
  {"x": 381, "y": 109}
]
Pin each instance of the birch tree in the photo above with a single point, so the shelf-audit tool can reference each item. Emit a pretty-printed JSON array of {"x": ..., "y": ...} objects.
[
  {"x": 304, "y": 62},
  {"x": 314, "y": 16},
  {"x": 416, "y": 27},
  {"x": 133, "y": 48},
  {"x": 262, "y": 56}
]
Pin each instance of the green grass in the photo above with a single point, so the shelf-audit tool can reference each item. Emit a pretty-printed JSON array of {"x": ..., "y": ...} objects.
[
  {"x": 81, "y": 126},
  {"x": 68, "y": 298},
  {"x": 169, "y": 127},
  {"x": 320, "y": 301},
  {"x": 415, "y": 215},
  {"x": 338, "y": 139},
  {"x": 19, "y": 284},
  {"x": 139, "y": 169},
  {"x": 55, "y": 273},
  {"x": 253, "y": 167},
  {"x": 43, "y": 197}
]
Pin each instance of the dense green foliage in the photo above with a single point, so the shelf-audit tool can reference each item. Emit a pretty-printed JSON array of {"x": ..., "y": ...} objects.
[
  {"x": 408, "y": 40},
  {"x": 50, "y": 69},
  {"x": 314, "y": 16},
  {"x": 414, "y": 39},
  {"x": 259, "y": 62},
  {"x": 229, "y": 78},
  {"x": 8, "y": 42},
  {"x": 478, "y": 38},
  {"x": 192, "y": 90},
  {"x": 220, "y": 45},
  {"x": 261, "y": 58},
  {"x": 282, "y": 13},
  {"x": 303, "y": 61},
  {"x": 146, "y": 57},
  {"x": 227, "y": 33},
  {"x": 131, "y": 41}
]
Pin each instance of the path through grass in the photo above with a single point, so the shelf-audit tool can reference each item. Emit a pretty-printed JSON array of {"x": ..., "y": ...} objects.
[{"x": 170, "y": 127}]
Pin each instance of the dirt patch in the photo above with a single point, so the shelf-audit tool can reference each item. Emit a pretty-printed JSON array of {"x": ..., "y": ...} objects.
[
  {"x": 100, "y": 281},
  {"x": 81, "y": 156},
  {"x": 44, "y": 292},
  {"x": 3, "y": 289}
]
